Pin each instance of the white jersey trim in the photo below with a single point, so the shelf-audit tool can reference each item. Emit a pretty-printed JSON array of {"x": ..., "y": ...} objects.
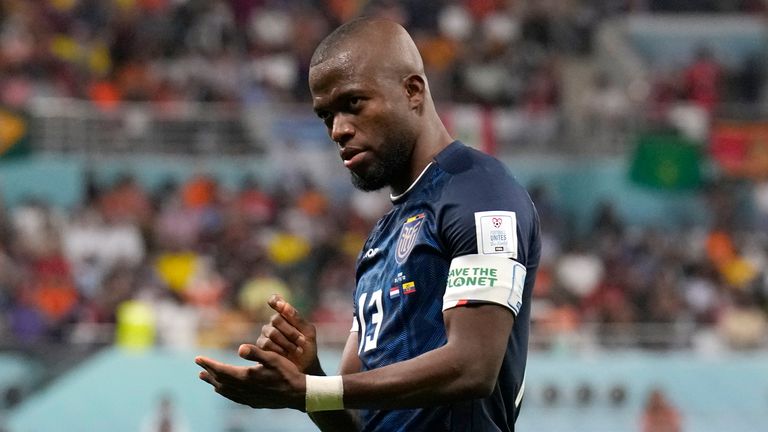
[
  {"x": 397, "y": 197},
  {"x": 519, "y": 397}
]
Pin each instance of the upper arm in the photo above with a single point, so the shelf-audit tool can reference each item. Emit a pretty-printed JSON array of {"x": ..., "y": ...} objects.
[
  {"x": 350, "y": 362},
  {"x": 479, "y": 334}
]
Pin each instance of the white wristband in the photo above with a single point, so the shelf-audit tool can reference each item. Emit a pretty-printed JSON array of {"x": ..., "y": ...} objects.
[{"x": 324, "y": 393}]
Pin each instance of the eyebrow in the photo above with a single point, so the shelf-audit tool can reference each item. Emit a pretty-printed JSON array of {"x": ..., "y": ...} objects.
[{"x": 345, "y": 93}]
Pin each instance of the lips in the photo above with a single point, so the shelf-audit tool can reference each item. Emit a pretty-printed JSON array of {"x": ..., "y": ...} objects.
[{"x": 352, "y": 156}]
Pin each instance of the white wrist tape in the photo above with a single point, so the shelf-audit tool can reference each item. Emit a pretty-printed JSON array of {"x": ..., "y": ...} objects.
[{"x": 324, "y": 393}]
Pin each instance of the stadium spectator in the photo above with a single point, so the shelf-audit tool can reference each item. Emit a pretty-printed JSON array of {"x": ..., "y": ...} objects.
[
  {"x": 606, "y": 111},
  {"x": 742, "y": 323},
  {"x": 749, "y": 80},
  {"x": 94, "y": 245},
  {"x": 176, "y": 225},
  {"x": 164, "y": 416},
  {"x": 254, "y": 204},
  {"x": 177, "y": 323},
  {"x": 659, "y": 415},
  {"x": 703, "y": 80},
  {"x": 579, "y": 272},
  {"x": 125, "y": 203}
]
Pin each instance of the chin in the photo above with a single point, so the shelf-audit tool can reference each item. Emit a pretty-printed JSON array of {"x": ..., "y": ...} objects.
[{"x": 368, "y": 183}]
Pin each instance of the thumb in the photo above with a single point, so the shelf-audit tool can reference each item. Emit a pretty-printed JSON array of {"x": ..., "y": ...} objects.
[
  {"x": 248, "y": 352},
  {"x": 254, "y": 353}
]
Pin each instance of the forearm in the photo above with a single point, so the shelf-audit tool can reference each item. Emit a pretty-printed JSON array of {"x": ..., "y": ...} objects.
[
  {"x": 343, "y": 420},
  {"x": 438, "y": 377},
  {"x": 335, "y": 421},
  {"x": 465, "y": 368},
  {"x": 441, "y": 376}
]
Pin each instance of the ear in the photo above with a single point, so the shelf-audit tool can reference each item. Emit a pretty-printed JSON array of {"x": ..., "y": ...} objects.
[{"x": 415, "y": 90}]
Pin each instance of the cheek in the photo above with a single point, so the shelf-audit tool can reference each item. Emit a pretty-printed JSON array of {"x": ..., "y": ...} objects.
[
  {"x": 376, "y": 125},
  {"x": 388, "y": 124},
  {"x": 402, "y": 127},
  {"x": 397, "y": 118}
]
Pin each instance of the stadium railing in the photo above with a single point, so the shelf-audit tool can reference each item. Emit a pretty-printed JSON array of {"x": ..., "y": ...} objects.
[{"x": 62, "y": 125}]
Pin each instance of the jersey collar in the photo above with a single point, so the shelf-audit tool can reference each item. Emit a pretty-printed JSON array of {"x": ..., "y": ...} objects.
[
  {"x": 445, "y": 153},
  {"x": 394, "y": 198}
]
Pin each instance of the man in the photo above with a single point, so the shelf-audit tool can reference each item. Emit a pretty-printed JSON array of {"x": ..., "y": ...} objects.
[{"x": 442, "y": 303}]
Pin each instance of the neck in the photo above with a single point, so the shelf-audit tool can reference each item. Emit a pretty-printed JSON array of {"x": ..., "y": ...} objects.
[{"x": 433, "y": 140}]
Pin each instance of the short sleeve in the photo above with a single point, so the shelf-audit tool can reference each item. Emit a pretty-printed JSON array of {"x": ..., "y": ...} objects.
[
  {"x": 488, "y": 222},
  {"x": 492, "y": 220}
]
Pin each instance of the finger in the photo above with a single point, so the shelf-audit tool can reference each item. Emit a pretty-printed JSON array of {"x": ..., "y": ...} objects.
[
  {"x": 203, "y": 363},
  {"x": 253, "y": 352},
  {"x": 276, "y": 302},
  {"x": 284, "y": 334},
  {"x": 205, "y": 376},
  {"x": 290, "y": 313},
  {"x": 250, "y": 352},
  {"x": 266, "y": 344},
  {"x": 218, "y": 370},
  {"x": 247, "y": 351}
]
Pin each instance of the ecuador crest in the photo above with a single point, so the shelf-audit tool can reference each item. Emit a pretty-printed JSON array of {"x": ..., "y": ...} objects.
[{"x": 408, "y": 235}]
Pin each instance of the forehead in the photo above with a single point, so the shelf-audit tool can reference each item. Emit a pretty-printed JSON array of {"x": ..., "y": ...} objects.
[{"x": 340, "y": 73}]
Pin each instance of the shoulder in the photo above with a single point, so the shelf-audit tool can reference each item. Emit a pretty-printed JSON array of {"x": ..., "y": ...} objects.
[
  {"x": 480, "y": 181},
  {"x": 459, "y": 159},
  {"x": 481, "y": 198}
]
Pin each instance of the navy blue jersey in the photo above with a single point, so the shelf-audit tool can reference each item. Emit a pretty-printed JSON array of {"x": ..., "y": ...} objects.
[{"x": 465, "y": 232}]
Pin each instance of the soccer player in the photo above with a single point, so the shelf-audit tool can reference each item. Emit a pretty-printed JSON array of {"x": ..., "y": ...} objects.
[{"x": 442, "y": 303}]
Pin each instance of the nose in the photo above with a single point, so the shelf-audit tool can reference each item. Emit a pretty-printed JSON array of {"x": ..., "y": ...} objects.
[{"x": 342, "y": 129}]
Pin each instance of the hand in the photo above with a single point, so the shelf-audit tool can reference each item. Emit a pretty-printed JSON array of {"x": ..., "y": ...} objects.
[
  {"x": 273, "y": 382},
  {"x": 289, "y": 335}
]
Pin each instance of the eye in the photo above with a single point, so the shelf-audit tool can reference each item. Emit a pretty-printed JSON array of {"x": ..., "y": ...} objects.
[
  {"x": 325, "y": 116},
  {"x": 355, "y": 102}
]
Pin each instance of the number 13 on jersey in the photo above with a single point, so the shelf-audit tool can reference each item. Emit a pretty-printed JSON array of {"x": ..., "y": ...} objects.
[{"x": 369, "y": 311}]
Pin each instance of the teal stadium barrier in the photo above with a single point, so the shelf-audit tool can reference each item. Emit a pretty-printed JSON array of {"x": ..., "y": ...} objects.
[{"x": 121, "y": 391}]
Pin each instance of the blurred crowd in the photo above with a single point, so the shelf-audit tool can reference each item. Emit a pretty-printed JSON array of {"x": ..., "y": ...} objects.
[
  {"x": 496, "y": 52},
  {"x": 693, "y": 287},
  {"x": 197, "y": 261},
  {"x": 205, "y": 259}
]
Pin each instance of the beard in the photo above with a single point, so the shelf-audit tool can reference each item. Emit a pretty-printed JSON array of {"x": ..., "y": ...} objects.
[{"x": 393, "y": 162}]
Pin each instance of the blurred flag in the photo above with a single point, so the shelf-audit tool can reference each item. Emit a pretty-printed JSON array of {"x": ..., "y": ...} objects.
[
  {"x": 666, "y": 161},
  {"x": 471, "y": 124},
  {"x": 13, "y": 134},
  {"x": 741, "y": 148}
]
